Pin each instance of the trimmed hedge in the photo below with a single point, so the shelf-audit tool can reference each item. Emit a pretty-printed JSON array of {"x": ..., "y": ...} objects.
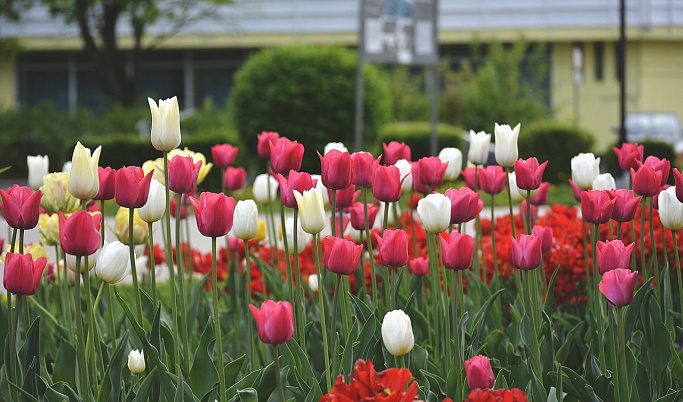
[{"x": 417, "y": 134}]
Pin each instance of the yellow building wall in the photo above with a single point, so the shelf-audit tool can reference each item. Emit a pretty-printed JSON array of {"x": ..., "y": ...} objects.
[
  {"x": 661, "y": 82},
  {"x": 6, "y": 85}
]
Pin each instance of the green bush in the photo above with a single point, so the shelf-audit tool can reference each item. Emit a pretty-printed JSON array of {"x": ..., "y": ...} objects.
[
  {"x": 417, "y": 134},
  {"x": 306, "y": 94},
  {"x": 556, "y": 143}
]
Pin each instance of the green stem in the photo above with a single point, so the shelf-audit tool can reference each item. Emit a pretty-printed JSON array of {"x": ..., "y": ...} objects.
[
  {"x": 84, "y": 387},
  {"x": 614, "y": 353},
  {"x": 623, "y": 375},
  {"x": 90, "y": 347},
  {"x": 134, "y": 272},
  {"x": 278, "y": 374},
  {"x": 512, "y": 215},
  {"x": 217, "y": 322},
  {"x": 643, "y": 267},
  {"x": 321, "y": 306},
  {"x": 112, "y": 325},
  {"x": 333, "y": 327},
  {"x": 598, "y": 303},
  {"x": 434, "y": 291},
  {"x": 678, "y": 269},
  {"x": 288, "y": 263},
  {"x": 528, "y": 212},
  {"x": 457, "y": 296},
  {"x": 253, "y": 356},
  {"x": 169, "y": 260},
  {"x": 655, "y": 266},
  {"x": 14, "y": 328},
  {"x": 152, "y": 264},
  {"x": 368, "y": 239},
  {"x": 181, "y": 287},
  {"x": 299, "y": 296}
]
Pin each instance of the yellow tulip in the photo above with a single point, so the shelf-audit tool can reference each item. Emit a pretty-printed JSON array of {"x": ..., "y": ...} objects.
[
  {"x": 140, "y": 229},
  {"x": 261, "y": 232},
  {"x": 165, "y": 124},
  {"x": 56, "y": 195},
  {"x": 48, "y": 227},
  {"x": 84, "y": 182}
]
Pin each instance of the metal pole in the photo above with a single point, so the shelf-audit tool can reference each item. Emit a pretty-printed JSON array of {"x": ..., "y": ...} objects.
[
  {"x": 622, "y": 72},
  {"x": 358, "y": 128},
  {"x": 434, "y": 143}
]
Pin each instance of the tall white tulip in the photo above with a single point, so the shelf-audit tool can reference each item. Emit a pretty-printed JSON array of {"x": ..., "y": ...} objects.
[
  {"x": 37, "y": 168},
  {"x": 478, "y": 152},
  {"x": 339, "y": 146},
  {"x": 506, "y": 144},
  {"x": 311, "y": 210},
  {"x": 92, "y": 259},
  {"x": 318, "y": 179},
  {"x": 434, "y": 211},
  {"x": 406, "y": 170},
  {"x": 604, "y": 181},
  {"x": 165, "y": 124},
  {"x": 84, "y": 181},
  {"x": 585, "y": 169},
  {"x": 155, "y": 206},
  {"x": 670, "y": 209},
  {"x": 136, "y": 361},
  {"x": 113, "y": 264},
  {"x": 515, "y": 193},
  {"x": 245, "y": 221},
  {"x": 397, "y": 333},
  {"x": 452, "y": 156},
  {"x": 261, "y": 194},
  {"x": 302, "y": 237}
]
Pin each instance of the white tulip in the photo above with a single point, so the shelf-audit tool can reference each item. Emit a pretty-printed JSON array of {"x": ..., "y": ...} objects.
[
  {"x": 397, "y": 333},
  {"x": 313, "y": 282},
  {"x": 406, "y": 168},
  {"x": 92, "y": 259},
  {"x": 452, "y": 156},
  {"x": 670, "y": 209},
  {"x": 84, "y": 180},
  {"x": 136, "y": 361},
  {"x": 260, "y": 187},
  {"x": 311, "y": 210},
  {"x": 604, "y": 181},
  {"x": 155, "y": 206},
  {"x": 38, "y": 167},
  {"x": 113, "y": 264},
  {"x": 434, "y": 211},
  {"x": 319, "y": 184},
  {"x": 506, "y": 144},
  {"x": 585, "y": 169},
  {"x": 515, "y": 193},
  {"x": 302, "y": 237},
  {"x": 335, "y": 145},
  {"x": 66, "y": 167},
  {"x": 165, "y": 132},
  {"x": 245, "y": 221},
  {"x": 478, "y": 152}
]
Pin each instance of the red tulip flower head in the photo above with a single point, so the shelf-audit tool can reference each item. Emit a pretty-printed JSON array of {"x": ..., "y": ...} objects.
[
  {"x": 596, "y": 206},
  {"x": 22, "y": 274},
  {"x": 526, "y": 252},
  {"x": 431, "y": 171},
  {"x": 345, "y": 197},
  {"x": 21, "y": 207},
  {"x": 660, "y": 165},
  {"x": 492, "y": 179},
  {"x": 625, "y": 204},
  {"x": 364, "y": 165},
  {"x": 224, "y": 155},
  {"x": 468, "y": 174},
  {"x": 107, "y": 178},
  {"x": 613, "y": 255},
  {"x": 458, "y": 251},
  {"x": 173, "y": 206},
  {"x": 132, "y": 186},
  {"x": 235, "y": 178},
  {"x": 678, "y": 180},
  {"x": 418, "y": 185},
  {"x": 629, "y": 155},
  {"x": 419, "y": 266},
  {"x": 479, "y": 373},
  {"x": 395, "y": 151},
  {"x": 576, "y": 190},
  {"x": 546, "y": 235},
  {"x": 465, "y": 204},
  {"x": 387, "y": 183},
  {"x": 529, "y": 173},
  {"x": 285, "y": 155},
  {"x": 274, "y": 321},
  {"x": 182, "y": 174},
  {"x": 336, "y": 169},
  {"x": 541, "y": 196},
  {"x": 214, "y": 213},
  {"x": 357, "y": 211},
  {"x": 618, "y": 286},
  {"x": 79, "y": 234},
  {"x": 264, "y": 140},
  {"x": 393, "y": 248},
  {"x": 294, "y": 181},
  {"x": 646, "y": 180},
  {"x": 341, "y": 256}
]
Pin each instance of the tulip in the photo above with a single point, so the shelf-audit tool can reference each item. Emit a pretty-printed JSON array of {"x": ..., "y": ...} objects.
[
  {"x": 182, "y": 174},
  {"x": 311, "y": 210},
  {"x": 196, "y": 157},
  {"x": 678, "y": 181},
  {"x": 84, "y": 180},
  {"x": 294, "y": 181},
  {"x": 313, "y": 282},
  {"x": 22, "y": 274},
  {"x": 604, "y": 181},
  {"x": 526, "y": 252},
  {"x": 155, "y": 206},
  {"x": 264, "y": 140},
  {"x": 261, "y": 231},
  {"x": 492, "y": 179},
  {"x": 393, "y": 248},
  {"x": 625, "y": 204},
  {"x": 121, "y": 225},
  {"x": 345, "y": 197},
  {"x": 245, "y": 221},
  {"x": 334, "y": 220},
  {"x": 646, "y": 181},
  {"x": 479, "y": 373},
  {"x": 618, "y": 286},
  {"x": 234, "y": 178},
  {"x": 364, "y": 165},
  {"x": 434, "y": 210},
  {"x": 478, "y": 152},
  {"x": 66, "y": 167},
  {"x": 224, "y": 155},
  {"x": 660, "y": 165},
  {"x": 48, "y": 228},
  {"x": 302, "y": 237},
  {"x": 453, "y": 158},
  {"x": 318, "y": 180},
  {"x": 468, "y": 174},
  {"x": 529, "y": 173},
  {"x": 136, "y": 360},
  {"x": 596, "y": 206},
  {"x": 541, "y": 196},
  {"x": 629, "y": 155},
  {"x": 405, "y": 168},
  {"x": 260, "y": 187},
  {"x": 107, "y": 178},
  {"x": 576, "y": 190},
  {"x": 585, "y": 169},
  {"x": 506, "y": 144},
  {"x": 670, "y": 209},
  {"x": 274, "y": 321},
  {"x": 79, "y": 234},
  {"x": 418, "y": 185},
  {"x": 37, "y": 168},
  {"x": 173, "y": 206},
  {"x": 339, "y": 146},
  {"x": 285, "y": 155},
  {"x": 21, "y": 207},
  {"x": 165, "y": 132},
  {"x": 337, "y": 169},
  {"x": 387, "y": 184},
  {"x": 341, "y": 256},
  {"x": 465, "y": 205},
  {"x": 515, "y": 192},
  {"x": 113, "y": 263},
  {"x": 432, "y": 171},
  {"x": 613, "y": 255},
  {"x": 357, "y": 211},
  {"x": 458, "y": 251},
  {"x": 132, "y": 187},
  {"x": 546, "y": 235},
  {"x": 397, "y": 333},
  {"x": 214, "y": 213},
  {"x": 419, "y": 266},
  {"x": 395, "y": 151}
]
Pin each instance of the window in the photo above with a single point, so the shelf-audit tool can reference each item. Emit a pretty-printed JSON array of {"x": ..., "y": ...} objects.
[{"x": 599, "y": 60}]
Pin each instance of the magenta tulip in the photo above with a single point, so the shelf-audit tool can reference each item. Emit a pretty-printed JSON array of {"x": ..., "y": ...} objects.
[
  {"x": 393, "y": 248},
  {"x": 458, "y": 251},
  {"x": 364, "y": 165},
  {"x": 529, "y": 173},
  {"x": 419, "y": 266},
  {"x": 618, "y": 286},
  {"x": 214, "y": 213},
  {"x": 182, "y": 174},
  {"x": 431, "y": 171},
  {"x": 465, "y": 204},
  {"x": 596, "y": 206},
  {"x": 492, "y": 179},
  {"x": 479, "y": 373},
  {"x": 235, "y": 178},
  {"x": 526, "y": 252},
  {"x": 468, "y": 174},
  {"x": 662, "y": 166},
  {"x": 386, "y": 183},
  {"x": 625, "y": 204},
  {"x": 576, "y": 190},
  {"x": 224, "y": 155},
  {"x": 21, "y": 207},
  {"x": 678, "y": 180},
  {"x": 357, "y": 212},
  {"x": 274, "y": 321},
  {"x": 294, "y": 181},
  {"x": 646, "y": 181},
  {"x": 613, "y": 255},
  {"x": 285, "y": 155},
  {"x": 546, "y": 235},
  {"x": 341, "y": 256},
  {"x": 395, "y": 151},
  {"x": 541, "y": 196},
  {"x": 107, "y": 178},
  {"x": 264, "y": 140},
  {"x": 132, "y": 186},
  {"x": 345, "y": 197},
  {"x": 79, "y": 234},
  {"x": 22, "y": 274},
  {"x": 418, "y": 185},
  {"x": 629, "y": 155},
  {"x": 336, "y": 169}
]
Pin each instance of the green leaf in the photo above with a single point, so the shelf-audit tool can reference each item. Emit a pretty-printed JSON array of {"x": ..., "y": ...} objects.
[
  {"x": 30, "y": 358},
  {"x": 247, "y": 381},
  {"x": 347, "y": 354},
  {"x": 550, "y": 293},
  {"x": 111, "y": 390},
  {"x": 146, "y": 386},
  {"x": 65, "y": 363},
  {"x": 248, "y": 395},
  {"x": 477, "y": 325},
  {"x": 364, "y": 339},
  {"x": 671, "y": 397},
  {"x": 633, "y": 309},
  {"x": 577, "y": 387},
  {"x": 435, "y": 381},
  {"x": 202, "y": 378},
  {"x": 267, "y": 382},
  {"x": 232, "y": 369}
]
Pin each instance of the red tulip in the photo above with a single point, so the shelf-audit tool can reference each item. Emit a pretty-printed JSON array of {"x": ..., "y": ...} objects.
[
  {"x": 364, "y": 165},
  {"x": 418, "y": 185},
  {"x": 393, "y": 248},
  {"x": 132, "y": 186},
  {"x": 458, "y": 251},
  {"x": 285, "y": 155},
  {"x": 629, "y": 155},
  {"x": 357, "y": 211},
  {"x": 678, "y": 180},
  {"x": 492, "y": 179},
  {"x": 419, "y": 266},
  {"x": 22, "y": 274},
  {"x": 618, "y": 286},
  {"x": 274, "y": 321},
  {"x": 625, "y": 204},
  {"x": 345, "y": 197},
  {"x": 596, "y": 206},
  {"x": 546, "y": 235},
  {"x": 341, "y": 256},
  {"x": 224, "y": 155},
  {"x": 541, "y": 196},
  {"x": 336, "y": 169},
  {"x": 529, "y": 173},
  {"x": 465, "y": 204},
  {"x": 432, "y": 171},
  {"x": 174, "y": 206},
  {"x": 526, "y": 252},
  {"x": 21, "y": 207},
  {"x": 479, "y": 373},
  {"x": 468, "y": 174},
  {"x": 646, "y": 181},
  {"x": 386, "y": 183},
  {"x": 264, "y": 140},
  {"x": 182, "y": 174},
  {"x": 107, "y": 178},
  {"x": 660, "y": 165},
  {"x": 234, "y": 178},
  {"x": 295, "y": 181},
  {"x": 612, "y": 255},
  {"x": 79, "y": 234},
  {"x": 214, "y": 213},
  {"x": 577, "y": 191},
  {"x": 395, "y": 151}
]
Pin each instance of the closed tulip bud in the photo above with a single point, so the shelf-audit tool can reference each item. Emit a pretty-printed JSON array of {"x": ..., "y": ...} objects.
[
  {"x": 478, "y": 152},
  {"x": 87, "y": 264},
  {"x": 261, "y": 188},
  {"x": 56, "y": 195},
  {"x": 38, "y": 167},
  {"x": 48, "y": 227},
  {"x": 670, "y": 209},
  {"x": 84, "y": 182},
  {"x": 341, "y": 256},
  {"x": 264, "y": 140},
  {"x": 646, "y": 181},
  {"x": 336, "y": 169},
  {"x": 405, "y": 168},
  {"x": 434, "y": 210},
  {"x": 585, "y": 169},
  {"x": 395, "y": 151},
  {"x": 182, "y": 174},
  {"x": 339, "y": 146},
  {"x": 526, "y": 252},
  {"x": 261, "y": 232},
  {"x": 479, "y": 373},
  {"x": 311, "y": 210},
  {"x": 313, "y": 282},
  {"x": 66, "y": 167},
  {"x": 22, "y": 274},
  {"x": 529, "y": 173},
  {"x": 397, "y": 333},
  {"x": 663, "y": 166},
  {"x": 197, "y": 157},
  {"x": 107, "y": 177},
  {"x": 625, "y": 204},
  {"x": 604, "y": 181},
  {"x": 294, "y": 181},
  {"x": 613, "y": 255},
  {"x": 506, "y": 144},
  {"x": 224, "y": 155},
  {"x": 302, "y": 237},
  {"x": 419, "y": 266},
  {"x": 165, "y": 132},
  {"x": 678, "y": 180},
  {"x": 155, "y": 206},
  {"x": 492, "y": 179},
  {"x": 576, "y": 190},
  {"x": 113, "y": 263},
  {"x": 629, "y": 155},
  {"x": 132, "y": 186},
  {"x": 458, "y": 251},
  {"x": 357, "y": 211},
  {"x": 79, "y": 234},
  {"x": 393, "y": 248},
  {"x": 274, "y": 321},
  {"x": 136, "y": 361},
  {"x": 546, "y": 235},
  {"x": 140, "y": 227},
  {"x": 465, "y": 205},
  {"x": 285, "y": 155},
  {"x": 215, "y": 213},
  {"x": 431, "y": 171},
  {"x": 387, "y": 183},
  {"x": 234, "y": 178},
  {"x": 21, "y": 207},
  {"x": 245, "y": 221},
  {"x": 345, "y": 197},
  {"x": 618, "y": 286},
  {"x": 364, "y": 165},
  {"x": 453, "y": 157},
  {"x": 596, "y": 206},
  {"x": 541, "y": 195}
]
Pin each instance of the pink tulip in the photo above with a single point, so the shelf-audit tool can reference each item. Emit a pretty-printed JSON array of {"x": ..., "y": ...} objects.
[
  {"x": 295, "y": 181},
  {"x": 214, "y": 213},
  {"x": 546, "y": 235},
  {"x": 419, "y": 266},
  {"x": 492, "y": 179},
  {"x": 235, "y": 178},
  {"x": 612, "y": 255},
  {"x": 529, "y": 173},
  {"x": 357, "y": 211},
  {"x": 541, "y": 196},
  {"x": 224, "y": 155},
  {"x": 418, "y": 185},
  {"x": 660, "y": 165},
  {"x": 22, "y": 274},
  {"x": 596, "y": 206},
  {"x": 386, "y": 183},
  {"x": 395, "y": 151},
  {"x": 479, "y": 373},
  {"x": 432, "y": 171},
  {"x": 336, "y": 169},
  {"x": 618, "y": 286},
  {"x": 182, "y": 174},
  {"x": 458, "y": 251},
  {"x": 468, "y": 174},
  {"x": 678, "y": 180},
  {"x": 341, "y": 256},
  {"x": 629, "y": 155},
  {"x": 393, "y": 248},
  {"x": 107, "y": 178},
  {"x": 345, "y": 197},
  {"x": 132, "y": 186},
  {"x": 646, "y": 181},
  {"x": 364, "y": 165},
  {"x": 526, "y": 252},
  {"x": 79, "y": 234},
  {"x": 274, "y": 321},
  {"x": 264, "y": 140},
  {"x": 576, "y": 190},
  {"x": 625, "y": 204},
  {"x": 465, "y": 204},
  {"x": 21, "y": 207},
  {"x": 285, "y": 155},
  {"x": 173, "y": 206}
]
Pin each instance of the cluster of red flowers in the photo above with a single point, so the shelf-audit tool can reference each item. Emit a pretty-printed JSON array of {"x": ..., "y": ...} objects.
[
  {"x": 391, "y": 385},
  {"x": 497, "y": 395}
]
